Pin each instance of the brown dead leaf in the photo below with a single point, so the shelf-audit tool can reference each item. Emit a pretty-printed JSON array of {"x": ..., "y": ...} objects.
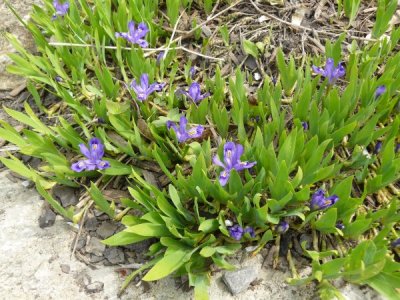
[
  {"x": 115, "y": 195},
  {"x": 144, "y": 129},
  {"x": 150, "y": 177},
  {"x": 117, "y": 138}
]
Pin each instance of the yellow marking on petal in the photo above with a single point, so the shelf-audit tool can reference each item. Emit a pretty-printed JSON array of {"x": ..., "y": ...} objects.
[
  {"x": 94, "y": 146},
  {"x": 229, "y": 153},
  {"x": 192, "y": 131},
  {"x": 224, "y": 174}
]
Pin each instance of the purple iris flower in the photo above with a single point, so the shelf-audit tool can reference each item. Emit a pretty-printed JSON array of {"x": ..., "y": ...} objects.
[
  {"x": 305, "y": 125},
  {"x": 396, "y": 243},
  {"x": 94, "y": 155},
  {"x": 379, "y": 91},
  {"x": 232, "y": 154},
  {"x": 330, "y": 71},
  {"x": 236, "y": 232},
  {"x": 144, "y": 89},
  {"x": 61, "y": 8},
  {"x": 378, "y": 147},
  {"x": 194, "y": 93},
  {"x": 182, "y": 133},
  {"x": 135, "y": 35},
  {"x": 282, "y": 227},
  {"x": 58, "y": 79},
  {"x": 319, "y": 201}
]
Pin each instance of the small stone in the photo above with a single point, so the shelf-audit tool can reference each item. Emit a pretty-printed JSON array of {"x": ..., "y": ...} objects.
[
  {"x": 83, "y": 279},
  {"x": 95, "y": 259},
  {"x": 25, "y": 158},
  {"x": 34, "y": 163},
  {"x": 251, "y": 63},
  {"x": 65, "y": 268},
  {"x": 66, "y": 195},
  {"x": 94, "y": 287},
  {"x": 140, "y": 247},
  {"x": 27, "y": 184},
  {"x": 98, "y": 213},
  {"x": 80, "y": 244},
  {"x": 106, "y": 230},
  {"x": 114, "y": 255},
  {"x": 239, "y": 280},
  {"x": 91, "y": 224},
  {"x": 47, "y": 216},
  {"x": 94, "y": 246}
]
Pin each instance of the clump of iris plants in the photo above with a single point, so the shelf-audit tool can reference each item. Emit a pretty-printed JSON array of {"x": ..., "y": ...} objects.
[{"x": 214, "y": 170}]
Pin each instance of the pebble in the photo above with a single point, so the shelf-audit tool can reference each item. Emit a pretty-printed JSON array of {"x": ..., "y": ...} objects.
[
  {"x": 66, "y": 195},
  {"x": 65, "y": 268},
  {"x": 94, "y": 287},
  {"x": 95, "y": 259},
  {"x": 114, "y": 255},
  {"x": 106, "y": 229},
  {"x": 83, "y": 279},
  {"x": 239, "y": 280},
  {"x": 81, "y": 243},
  {"x": 91, "y": 224},
  {"x": 27, "y": 184},
  {"x": 94, "y": 246},
  {"x": 47, "y": 216}
]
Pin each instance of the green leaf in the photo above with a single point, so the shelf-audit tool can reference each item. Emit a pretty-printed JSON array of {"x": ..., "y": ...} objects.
[
  {"x": 209, "y": 225},
  {"x": 207, "y": 251},
  {"x": 172, "y": 260},
  {"x": 101, "y": 201},
  {"x": 69, "y": 214},
  {"x": 250, "y": 48},
  {"x": 201, "y": 283},
  {"x": 149, "y": 230},
  {"x": 173, "y": 193},
  {"x": 17, "y": 166},
  {"x": 327, "y": 221},
  {"x": 124, "y": 238}
]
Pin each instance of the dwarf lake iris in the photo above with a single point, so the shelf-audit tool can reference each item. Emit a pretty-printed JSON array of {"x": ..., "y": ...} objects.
[
  {"x": 236, "y": 231},
  {"x": 319, "y": 201},
  {"x": 330, "y": 71},
  {"x": 94, "y": 155},
  {"x": 194, "y": 93},
  {"x": 61, "y": 8},
  {"x": 232, "y": 154},
  {"x": 184, "y": 134},
  {"x": 135, "y": 35},
  {"x": 144, "y": 89}
]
